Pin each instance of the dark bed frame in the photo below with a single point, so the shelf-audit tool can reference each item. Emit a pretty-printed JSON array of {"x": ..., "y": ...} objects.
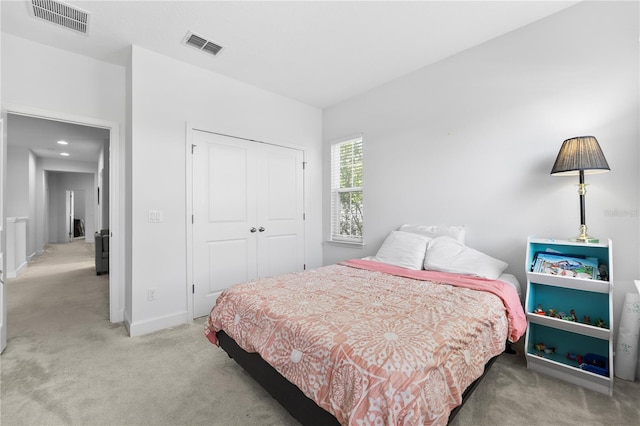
[{"x": 301, "y": 407}]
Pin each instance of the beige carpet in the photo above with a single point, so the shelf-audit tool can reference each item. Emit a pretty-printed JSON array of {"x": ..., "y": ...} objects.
[{"x": 65, "y": 364}]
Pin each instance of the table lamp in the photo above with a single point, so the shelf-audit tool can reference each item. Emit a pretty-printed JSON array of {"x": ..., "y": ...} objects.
[{"x": 579, "y": 156}]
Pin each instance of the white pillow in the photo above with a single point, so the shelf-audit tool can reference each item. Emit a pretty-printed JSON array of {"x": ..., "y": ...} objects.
[
  {"x": 433, "y": 231},
  {"x": 403, "y": 249},
  {"x": 446, "y": 254}
]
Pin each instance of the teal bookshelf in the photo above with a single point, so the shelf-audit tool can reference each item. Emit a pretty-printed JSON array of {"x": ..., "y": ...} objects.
[{"x": 576, "y": 348}]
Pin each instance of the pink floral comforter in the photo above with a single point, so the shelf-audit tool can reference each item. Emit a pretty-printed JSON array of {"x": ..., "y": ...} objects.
[{"x": 370, "y": 345}]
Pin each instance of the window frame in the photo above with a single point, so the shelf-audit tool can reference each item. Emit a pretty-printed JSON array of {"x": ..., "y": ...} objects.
[{"x": 337, "y": 191}]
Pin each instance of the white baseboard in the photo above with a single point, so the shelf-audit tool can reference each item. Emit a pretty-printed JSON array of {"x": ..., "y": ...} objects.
[
  {"x": 127, "y": 322},
  {"x": 139, "y": 328},
  {"x": 18, "y": 270}
]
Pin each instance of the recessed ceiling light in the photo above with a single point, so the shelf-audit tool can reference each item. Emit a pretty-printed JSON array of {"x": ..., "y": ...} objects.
[
  {"x": 63, "y": 142},
  {"x": 64, "y": 154}
]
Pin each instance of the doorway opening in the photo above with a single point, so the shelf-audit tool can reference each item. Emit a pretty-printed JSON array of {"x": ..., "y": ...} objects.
[{"x": 97, "y": 162}]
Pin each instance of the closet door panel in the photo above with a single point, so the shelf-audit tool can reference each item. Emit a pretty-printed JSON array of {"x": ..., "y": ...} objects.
[
  {"x": 224, "y": 207},
  {"x": 280, "y": 210}
]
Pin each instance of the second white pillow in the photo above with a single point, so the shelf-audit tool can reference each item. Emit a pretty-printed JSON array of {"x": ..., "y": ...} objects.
[{"x": 446, "y": 254}]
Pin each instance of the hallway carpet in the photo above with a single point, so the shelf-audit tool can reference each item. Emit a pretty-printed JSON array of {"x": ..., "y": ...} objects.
[{"x": 66, "y": 364}]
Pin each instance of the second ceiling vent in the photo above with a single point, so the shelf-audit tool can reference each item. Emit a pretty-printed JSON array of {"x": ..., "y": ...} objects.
[{"x": 201, "y": 43}]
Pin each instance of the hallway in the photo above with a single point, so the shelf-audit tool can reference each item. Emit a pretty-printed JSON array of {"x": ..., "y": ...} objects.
[{"x": 58, "y": 291}]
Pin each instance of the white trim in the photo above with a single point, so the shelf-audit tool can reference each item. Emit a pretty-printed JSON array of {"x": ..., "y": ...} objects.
[
  {"x": 348, "y": 138},
  {"x": 138, "y": 328},
  {"x": 18, "y": 271},
  {"x": 188, "y": 221},
  {"x": 17, "y": 219},
  {"x": 116, "y": 208},
  {"x": 344, "y": 244},
  {"x": 207, "y": 129},
  {"x": 3, "y": 186}
]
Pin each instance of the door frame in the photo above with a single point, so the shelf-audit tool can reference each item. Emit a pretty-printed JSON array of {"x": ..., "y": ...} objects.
[
  {"x": 69, "y": 213},
  {"x": 116, "y": 195},
  {"x": 3, "y": 237},
  {"x": 190, "y": 128}
]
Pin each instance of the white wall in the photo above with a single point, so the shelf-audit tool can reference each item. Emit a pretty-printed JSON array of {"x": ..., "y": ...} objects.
[
  {"x": 17, "y": 194},
  {"x": 471, "y": 140},
  {"x": 52, "y": 209},
  {"x": 20, "y": 174},
  {"x": 32, "y": 237},
  {"x": 166, "y": 95},
  {"x": 72, "y": 83}
]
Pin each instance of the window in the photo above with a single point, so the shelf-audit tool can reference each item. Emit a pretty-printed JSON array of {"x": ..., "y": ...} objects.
[{"x": 346, "y": 191}]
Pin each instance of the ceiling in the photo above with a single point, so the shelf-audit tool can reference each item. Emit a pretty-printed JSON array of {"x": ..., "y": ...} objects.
[
  {"x": 41, "y": 136},
  {"x": 317, "y": 52}
]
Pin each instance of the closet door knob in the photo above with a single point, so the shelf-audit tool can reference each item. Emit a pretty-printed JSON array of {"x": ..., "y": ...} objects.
[
  {"x": 261, "y": 229},
  {"x": 253, "y": 230}
]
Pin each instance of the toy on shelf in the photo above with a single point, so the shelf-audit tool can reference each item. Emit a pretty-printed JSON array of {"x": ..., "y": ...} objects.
[
  {"x": 574, "y": 318},
  {"x": 575, "y": 357},
  {"x": 586, "y": 320},
  {"x": 539, "y": 310},
  {"x": 600, "y": 323},
  {"x": 571, "y": 317},
  {"x": 541, "y": 347}
]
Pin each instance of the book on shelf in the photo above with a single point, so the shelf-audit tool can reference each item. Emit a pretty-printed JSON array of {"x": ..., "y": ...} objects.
[{"x": 565, "y": 265}]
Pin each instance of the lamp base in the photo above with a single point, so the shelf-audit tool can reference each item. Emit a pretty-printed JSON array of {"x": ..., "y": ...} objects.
[{"x": 583, "y": 237}]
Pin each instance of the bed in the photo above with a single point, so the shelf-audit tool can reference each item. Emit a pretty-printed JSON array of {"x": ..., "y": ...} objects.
[{"x": 372, "y": 341}]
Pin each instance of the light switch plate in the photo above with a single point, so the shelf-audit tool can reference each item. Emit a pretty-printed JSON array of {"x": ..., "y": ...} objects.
[{"x": 155, "y": 216}]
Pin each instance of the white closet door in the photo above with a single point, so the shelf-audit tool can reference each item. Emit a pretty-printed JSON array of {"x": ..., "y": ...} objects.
[
  {"x": 224, "y": 210},
  {"x": 248, "y": 214},
  {"x": 280, "y": 211}
]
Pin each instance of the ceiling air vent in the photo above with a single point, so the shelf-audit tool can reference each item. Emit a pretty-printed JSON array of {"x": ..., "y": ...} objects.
[
  {"x": 61, "y": 14},
  {"x": 202, "y": 44}
]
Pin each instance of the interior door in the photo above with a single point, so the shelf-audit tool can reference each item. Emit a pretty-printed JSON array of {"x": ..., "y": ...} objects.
[
  {"x": 224, "y": 216},
  {"x": 248, "y": 214}
]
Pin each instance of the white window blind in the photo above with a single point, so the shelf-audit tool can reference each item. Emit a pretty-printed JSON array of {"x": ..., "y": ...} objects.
[{"x": 347, "y": 211}]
